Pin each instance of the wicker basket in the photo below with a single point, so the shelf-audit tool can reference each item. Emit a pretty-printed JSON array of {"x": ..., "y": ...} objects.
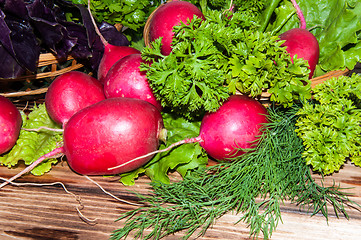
[{"x": 48, "y": 67}]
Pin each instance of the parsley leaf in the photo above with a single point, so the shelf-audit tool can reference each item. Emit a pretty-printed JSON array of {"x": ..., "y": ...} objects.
[{"x": 331, "y": 127}]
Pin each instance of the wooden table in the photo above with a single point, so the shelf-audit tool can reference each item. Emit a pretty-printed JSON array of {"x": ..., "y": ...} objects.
[{"x": 48, "y": 212}]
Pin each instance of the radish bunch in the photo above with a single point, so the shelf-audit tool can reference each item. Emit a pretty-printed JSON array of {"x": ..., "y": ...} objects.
[{"x": 113, "y": 124}]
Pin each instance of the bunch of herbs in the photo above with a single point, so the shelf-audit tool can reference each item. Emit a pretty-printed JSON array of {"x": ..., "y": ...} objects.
[{"x": 255, "y": 184}]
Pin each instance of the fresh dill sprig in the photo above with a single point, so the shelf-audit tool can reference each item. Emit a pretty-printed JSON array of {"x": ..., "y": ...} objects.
[{"x": 256, "y": 184}]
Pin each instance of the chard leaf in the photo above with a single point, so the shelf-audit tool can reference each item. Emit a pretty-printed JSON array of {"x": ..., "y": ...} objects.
[
  {"x": 335, "y": 23},
  {"x": 182, "y": 159},
  {"x": 31, "y": 145}
]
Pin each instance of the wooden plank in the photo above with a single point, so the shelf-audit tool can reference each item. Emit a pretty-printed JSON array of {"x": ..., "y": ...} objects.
[{"x": 48, "y": 212}]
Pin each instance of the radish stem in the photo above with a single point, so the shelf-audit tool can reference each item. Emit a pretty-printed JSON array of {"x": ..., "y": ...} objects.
[
  {"x": 299, "y": 14},
  {"x": 53, "y": 153},
  {"x": 104, "y": 41},
  {"x": 43, "y": 128},
  {"x": 184, "y": 141}
]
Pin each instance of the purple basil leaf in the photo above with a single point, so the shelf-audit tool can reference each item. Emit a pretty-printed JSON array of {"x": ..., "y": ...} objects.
[
  {"x": 112, "y": 35},
  {"x": 53, "y": 34},
  {"x": 5, "y": 35},
  {"x": 9, "y": 67},
  {"x": 88, "y": 24},
  {"x": 81, "y": 48},
  {"x": 25, "y": 43},
  {"x": 17, "y": 8},
  {"x": 38, "y": 9}
]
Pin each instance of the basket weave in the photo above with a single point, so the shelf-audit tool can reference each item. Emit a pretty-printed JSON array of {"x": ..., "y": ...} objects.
[
  {"x": 49, "y": 59},
  {"x": 51, "y": 67}
]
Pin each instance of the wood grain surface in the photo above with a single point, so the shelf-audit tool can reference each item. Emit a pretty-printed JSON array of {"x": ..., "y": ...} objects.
[{"x": 49, "y": 212}]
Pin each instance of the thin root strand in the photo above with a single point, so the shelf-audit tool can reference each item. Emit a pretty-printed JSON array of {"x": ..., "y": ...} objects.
[
  {"x": 110, "y": 194},
  {"x": 51, "y": 154},
  {"x": 184, "y": 141},
  {"x": 76, "y": 197}
]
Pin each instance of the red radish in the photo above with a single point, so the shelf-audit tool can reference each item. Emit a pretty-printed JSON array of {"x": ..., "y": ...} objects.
[
  {"x": 111, "y": 53},
  {"x": 236, "y": 125},
  {"x": 10, "y": 124},
  {"x": 107, "y": 134},
  {"x": 110, "y": 56},
  {"x": 110, "y": 133},
  {"x": 71, "y": 92},
  {"x": 166, "y": 17},
  {"x": 300, "y": 42},
  {"x": 125, "y": 79}
]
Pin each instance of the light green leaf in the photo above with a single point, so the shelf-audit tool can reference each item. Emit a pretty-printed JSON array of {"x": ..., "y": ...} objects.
[{"x": 31, "y": 145}]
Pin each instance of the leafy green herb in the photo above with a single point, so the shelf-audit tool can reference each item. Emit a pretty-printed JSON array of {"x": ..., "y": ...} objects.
[
  {"x": 256, "y": 184},
  {"x": 182, "y": 159},
  {"x": 331, "y": 127},
  {"x": 213, "y": 59},
  {"x": 130, "y": 13},
  {"x": 31, "y": 145}
]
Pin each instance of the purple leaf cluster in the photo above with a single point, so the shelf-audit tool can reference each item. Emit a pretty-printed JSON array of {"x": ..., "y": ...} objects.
[{"x": 30, "y": 27}]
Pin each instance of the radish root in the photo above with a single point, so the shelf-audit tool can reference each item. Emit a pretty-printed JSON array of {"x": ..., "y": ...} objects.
[
  {"x": 51, "y": 154},
  {"x": 110, "y": 194},
  {"x": 76, "y": 197},
  {"x": 184, "y": 141}
]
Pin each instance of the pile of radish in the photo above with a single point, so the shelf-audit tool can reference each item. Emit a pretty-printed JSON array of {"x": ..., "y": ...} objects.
[{"x": 113, "y": 124}]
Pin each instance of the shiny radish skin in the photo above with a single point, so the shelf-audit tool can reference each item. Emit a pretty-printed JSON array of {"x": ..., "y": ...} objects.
[
  {"x": 110, "y": 56},
  {"x": 125, "y": 79},
  {"x": 71, "y": 92},
  {"x": 226, "y": 133},
  {"x": 301, "y": 42},
  {"x": 167, "y": 16},
  {"x": 110, "y": 133},
  {"x": 236, "y": 124},
  {"x": 10, "y": 124}
]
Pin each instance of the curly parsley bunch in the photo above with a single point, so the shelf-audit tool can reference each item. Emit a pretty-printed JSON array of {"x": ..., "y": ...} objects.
[
  {"x": 213, "y": 59},
  {"x": 331, "y": 126}
]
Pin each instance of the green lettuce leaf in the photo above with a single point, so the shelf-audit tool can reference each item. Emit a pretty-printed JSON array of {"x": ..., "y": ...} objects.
[
  {"x": 31, "y": 145},
  {"x": 335, "y": 23},
  {"x": 181, "y": 159}
]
